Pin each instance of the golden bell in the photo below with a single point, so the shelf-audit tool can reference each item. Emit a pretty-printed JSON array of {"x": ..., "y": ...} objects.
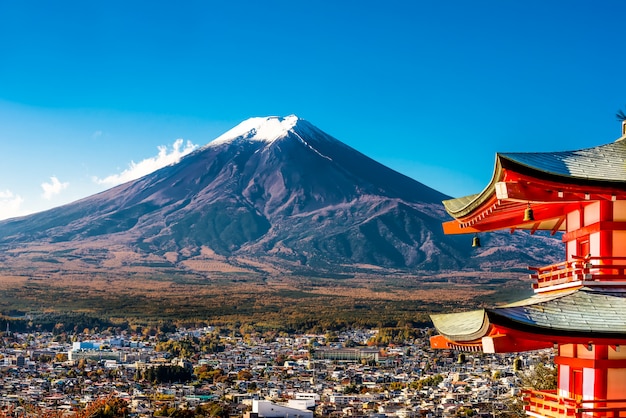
[
  {"x": 476, "y": 242},
  {"x": 528, "y": 214}
]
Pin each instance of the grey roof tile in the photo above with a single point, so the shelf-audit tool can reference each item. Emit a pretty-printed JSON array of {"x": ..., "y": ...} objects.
[
  {"x": 464, "y": 326},
  {"x": 601, "y": 164},
  {"x": 604, "y": 162},
  {"x": 580, "y": 311}
]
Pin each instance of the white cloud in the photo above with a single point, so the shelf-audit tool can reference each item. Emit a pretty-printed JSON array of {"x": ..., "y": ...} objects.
[
  {"x": 147, "y": 166},
  {"x": 10, "y": 205},
  {"x": 53, "y": 188},
  {"x": 96, "y": 134}
]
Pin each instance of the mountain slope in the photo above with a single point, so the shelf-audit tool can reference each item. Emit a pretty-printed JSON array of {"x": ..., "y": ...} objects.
[{"x": 278, "y": 191}]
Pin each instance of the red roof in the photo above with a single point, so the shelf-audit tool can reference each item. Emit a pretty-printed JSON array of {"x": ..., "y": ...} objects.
[{"x": 548, "y": 182}]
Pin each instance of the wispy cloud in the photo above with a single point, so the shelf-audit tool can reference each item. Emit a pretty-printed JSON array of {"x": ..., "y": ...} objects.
[
  {"x": 147, "y": 166},
  {"x": 53, "y": 188},
  {"x": 10, "y": 204}
]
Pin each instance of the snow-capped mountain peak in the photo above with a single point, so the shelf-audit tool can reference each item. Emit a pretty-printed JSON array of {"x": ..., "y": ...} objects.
[
  {"x": 306, "y": 202},
  {"x": 265, "y": 129}
]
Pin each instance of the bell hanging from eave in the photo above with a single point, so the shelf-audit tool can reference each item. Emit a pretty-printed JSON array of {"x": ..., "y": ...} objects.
[
  {"x": 476, "y": 242},
  {"x": 528, "y": 214}
]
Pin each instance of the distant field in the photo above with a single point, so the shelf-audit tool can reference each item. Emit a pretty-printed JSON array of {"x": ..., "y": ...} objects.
[{"x": 214, "y": 292}]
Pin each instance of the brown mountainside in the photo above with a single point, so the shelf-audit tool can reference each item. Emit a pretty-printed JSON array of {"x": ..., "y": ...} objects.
[{"x": 273, "y": 196}]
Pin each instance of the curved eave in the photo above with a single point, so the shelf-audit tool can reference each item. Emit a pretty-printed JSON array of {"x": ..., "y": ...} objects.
[
  {"x": 581, "y": 316},
  {"x": 514, "y": 185},
  {"x": 472, "y": 331},
  {"x": 462, "y": 326},
  {"x": 463, "y": 206}
]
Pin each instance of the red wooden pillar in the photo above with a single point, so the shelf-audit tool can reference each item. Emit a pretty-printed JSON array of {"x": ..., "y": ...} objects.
[
  {"x": 601, "y": 352},
  {"x": 606, "y": 235}
]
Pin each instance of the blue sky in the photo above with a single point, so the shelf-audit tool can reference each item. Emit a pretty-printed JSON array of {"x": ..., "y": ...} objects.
[{"x": 97, "y": 90}]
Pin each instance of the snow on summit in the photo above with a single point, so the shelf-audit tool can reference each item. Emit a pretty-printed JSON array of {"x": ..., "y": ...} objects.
[{"x": 266, "y": 129}]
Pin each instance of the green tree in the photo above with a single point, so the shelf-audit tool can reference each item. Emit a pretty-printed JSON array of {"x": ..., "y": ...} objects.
[
  {"x": 465, "y": 412},
  {"x": 169, "y": 373},
  {"x": 539, "y": 377}
]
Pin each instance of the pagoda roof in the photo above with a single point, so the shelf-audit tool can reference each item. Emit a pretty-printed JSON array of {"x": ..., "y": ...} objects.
[
  {"x": 584, "y": 312},
  {"x": 541, "y": 178},
  {"x": 463, "y": 326},
  {"x": 604, "y": 163}
]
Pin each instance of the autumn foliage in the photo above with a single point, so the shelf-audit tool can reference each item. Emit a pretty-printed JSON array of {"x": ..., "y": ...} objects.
[{"x": 109, "y": 407}]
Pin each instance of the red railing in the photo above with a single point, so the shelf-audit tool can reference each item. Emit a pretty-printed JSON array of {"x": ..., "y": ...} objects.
[
  {"x": 549, "y": 404},
  {"x": 582, "y": 271}
]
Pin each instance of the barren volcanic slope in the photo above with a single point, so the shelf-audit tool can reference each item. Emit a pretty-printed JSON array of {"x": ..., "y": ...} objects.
[{"x": 272, "y": 195}]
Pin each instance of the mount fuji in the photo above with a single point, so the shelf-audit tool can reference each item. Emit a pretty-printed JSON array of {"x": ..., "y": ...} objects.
[{"x": 272, "y": 195}]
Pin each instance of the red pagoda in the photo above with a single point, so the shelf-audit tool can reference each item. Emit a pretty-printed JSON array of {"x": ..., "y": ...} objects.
[{"x": 578, "y": 305}]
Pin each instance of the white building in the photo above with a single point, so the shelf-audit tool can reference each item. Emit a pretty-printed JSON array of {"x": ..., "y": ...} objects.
[{"x": 267, "y": 409}]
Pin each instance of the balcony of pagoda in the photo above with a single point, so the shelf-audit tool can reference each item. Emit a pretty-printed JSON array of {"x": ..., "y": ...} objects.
[
  {"x": 550, "y": 405},
  {"x": 580, "y": 271}
]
